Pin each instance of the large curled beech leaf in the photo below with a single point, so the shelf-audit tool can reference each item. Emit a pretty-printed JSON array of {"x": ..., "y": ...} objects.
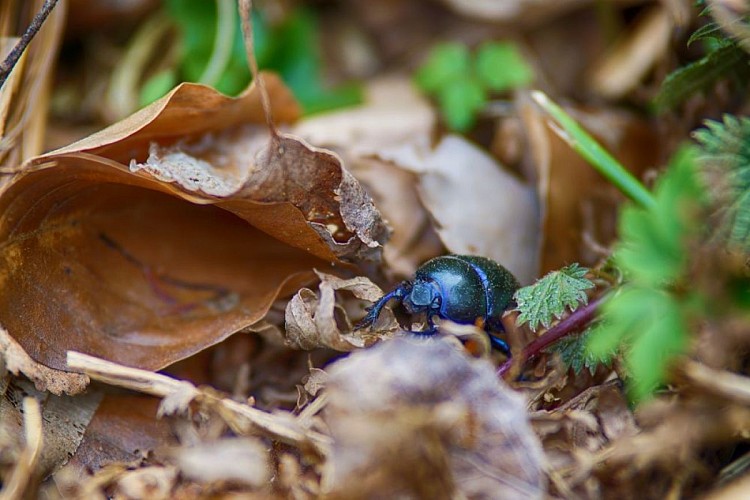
[{"x": 169, "y": 231}]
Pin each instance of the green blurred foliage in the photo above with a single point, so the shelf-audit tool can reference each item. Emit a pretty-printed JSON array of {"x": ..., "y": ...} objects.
[
  {"x": 462, "y": 81},
  {"x": 291, "y": 49}
]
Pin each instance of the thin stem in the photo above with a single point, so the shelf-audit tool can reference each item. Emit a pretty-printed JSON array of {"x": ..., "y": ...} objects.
[
  {"x": 594, "y": 153},
  {"x": 246, "y": 7},
  {"x": 36, "y": 24},
  {"x": 222, "y": 51},
  {"x": 574, "y": 323}
]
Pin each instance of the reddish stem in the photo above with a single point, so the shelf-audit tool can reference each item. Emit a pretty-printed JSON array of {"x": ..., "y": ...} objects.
[{"x": 574, "y": 323}]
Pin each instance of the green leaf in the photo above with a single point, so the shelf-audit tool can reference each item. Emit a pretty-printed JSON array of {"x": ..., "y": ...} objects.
[
  {"x": 446, "y": 63},
  {"x": 549, "y": 297},
  {"x": 460, "y": 101},
  {"x": 573, "y": 353},
  {"x": 710, "y": 30},
  {"x": 652, "y": 247},
  {"x": 725, "y": 161},
  {"x": 500, "y": 67},
  {"x": 727, "y": 60}
]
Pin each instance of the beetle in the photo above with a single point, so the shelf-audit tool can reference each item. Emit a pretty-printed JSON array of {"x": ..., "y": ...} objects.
[{"x": 461, "y": 288}]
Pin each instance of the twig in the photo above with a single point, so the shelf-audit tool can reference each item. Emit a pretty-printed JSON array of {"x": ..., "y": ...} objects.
[
  {"x": 36, "y": 24},
  {"x": 19, "y": 479},
  {"x": 718, "y": 382},
  {"x": 579, "y": 319},
  {"x": 177, "y": 393},
  {"x": 245, "y": 7}
]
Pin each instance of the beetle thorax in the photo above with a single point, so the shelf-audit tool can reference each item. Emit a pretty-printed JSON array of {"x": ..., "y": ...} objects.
[{"x": 423, "y": 296}]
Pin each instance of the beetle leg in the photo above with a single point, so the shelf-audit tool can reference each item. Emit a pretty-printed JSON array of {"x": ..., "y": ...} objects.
[
  {"x": 377, "y": 307},
  {"x": 499, "y": 344}
]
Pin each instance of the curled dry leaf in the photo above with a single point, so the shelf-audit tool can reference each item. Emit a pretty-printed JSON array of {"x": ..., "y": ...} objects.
[
  {"x": 421, "y": 419},
  {"x": 394, "y": 116},
  {"x": 314, "y": 320},
  {"x": 167, "y": 232}
]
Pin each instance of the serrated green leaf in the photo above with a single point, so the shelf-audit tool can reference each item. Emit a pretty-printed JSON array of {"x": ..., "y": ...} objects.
[
  {"x": 500, "y": 67},
  {"x": 725, "y": 161},
  {"x": 727, "y": 60},
  {"x": 460, "y": 101},
  {"x": 549, "y": 297},
  {"x": 573, "y": 353},
  {"x": 446, "y": 63}
]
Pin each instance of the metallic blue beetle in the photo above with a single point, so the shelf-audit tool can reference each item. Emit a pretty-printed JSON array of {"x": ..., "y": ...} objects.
[{"x": 459, "y": 288}]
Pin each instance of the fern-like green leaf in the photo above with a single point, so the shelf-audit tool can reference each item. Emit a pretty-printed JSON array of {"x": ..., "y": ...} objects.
[
  {"x": 725, "y": 161},
  {"x": 727, "y": 60},
  {"x": 548, "y": 298},
  {"x": 573, "y": 353}
]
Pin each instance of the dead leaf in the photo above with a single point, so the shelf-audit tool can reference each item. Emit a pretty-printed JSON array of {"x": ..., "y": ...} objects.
[
  {"x": 150, "y": 263},
  {"x": 311, "y": 319},
  {"x": 420, "y": 419},
  {"x": 124, "y": 429},
  {"x": 578, "y": 205}
]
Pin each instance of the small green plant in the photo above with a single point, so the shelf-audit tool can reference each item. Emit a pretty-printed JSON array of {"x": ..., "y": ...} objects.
[
  {"x": 573, "y": 353},
  {"x": 549, "y": 298},
  {"x": 461, "y": 80},
  {"x": 649, "y": 316}
]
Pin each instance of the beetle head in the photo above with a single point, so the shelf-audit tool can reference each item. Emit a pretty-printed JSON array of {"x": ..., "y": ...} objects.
[{"x": 424, "y": 296}]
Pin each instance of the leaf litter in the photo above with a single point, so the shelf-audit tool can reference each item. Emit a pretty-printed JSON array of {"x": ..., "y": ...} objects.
[{"x": 197, "y": 238}]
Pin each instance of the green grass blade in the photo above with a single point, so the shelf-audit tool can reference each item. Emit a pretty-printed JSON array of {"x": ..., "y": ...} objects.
[{"x": 594, "y": 153}]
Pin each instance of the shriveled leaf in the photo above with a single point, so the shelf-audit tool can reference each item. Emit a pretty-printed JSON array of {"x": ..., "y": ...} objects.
[
  {"x": 394, "y": 117},
  {"x": 432, "y": 422},
  {"x": 311, "y": 319},
  {"x": 548, "y": 298},
  {"x": 151, "y": 263}
]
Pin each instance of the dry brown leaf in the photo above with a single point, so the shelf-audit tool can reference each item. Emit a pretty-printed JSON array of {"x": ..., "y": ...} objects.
[
  {"x": 394, "y": 116},
  {"x": 578, "y": 205},
  {"x": 311, "y": 319},
  {"x": 124, "y": 429},
  {"x": 167, "y": 232},
  {"x": 421, "y": 419}
]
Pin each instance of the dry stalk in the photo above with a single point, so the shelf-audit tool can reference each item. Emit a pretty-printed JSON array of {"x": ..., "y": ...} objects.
[{"x": 27, "y": 460}]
